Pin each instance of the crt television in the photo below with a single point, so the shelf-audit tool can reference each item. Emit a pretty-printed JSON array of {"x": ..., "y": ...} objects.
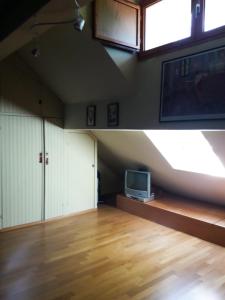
[{"x": 137, "y": 184}]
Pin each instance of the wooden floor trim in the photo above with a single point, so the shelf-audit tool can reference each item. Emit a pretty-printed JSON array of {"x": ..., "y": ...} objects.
[
  {"x": 51, "y": 220},
  {"x": 199, "y": 228}
]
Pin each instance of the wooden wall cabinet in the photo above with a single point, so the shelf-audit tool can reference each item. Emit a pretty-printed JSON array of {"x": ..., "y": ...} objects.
[{"x": 117, "y": 22}]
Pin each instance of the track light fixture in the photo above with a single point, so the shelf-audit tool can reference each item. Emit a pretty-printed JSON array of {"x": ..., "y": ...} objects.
[
  {"x": 78, "y": 21},
  {"x": 36, "y": 50},
  {"x": 78, "y": 24}
]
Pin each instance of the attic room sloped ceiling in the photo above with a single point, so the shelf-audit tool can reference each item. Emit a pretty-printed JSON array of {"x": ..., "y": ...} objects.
[
  {"x": 17, "y": 17},
  {"x": 133, "y": 149},
  {"x": 76, "y": 67},
  {"x": 14, "y": 13}
]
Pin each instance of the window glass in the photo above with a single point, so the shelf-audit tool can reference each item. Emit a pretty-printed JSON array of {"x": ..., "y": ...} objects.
[
  {"x": 167, "y": 21},
  {"x": 214, "y": 14},
  {"x": 187, "y": 150}
]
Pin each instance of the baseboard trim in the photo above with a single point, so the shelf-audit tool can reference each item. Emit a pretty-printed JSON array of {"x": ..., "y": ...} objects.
[{"x": 51, "y": 220}]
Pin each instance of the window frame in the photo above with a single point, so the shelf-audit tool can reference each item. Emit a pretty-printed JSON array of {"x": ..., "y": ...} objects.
[{"x": 198, "y": 35}]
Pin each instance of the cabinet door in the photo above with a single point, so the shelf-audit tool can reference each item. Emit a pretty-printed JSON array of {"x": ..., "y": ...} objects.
[
  {"x": 80, "y": 174},
  {"x": 54, "y": 171},
  {"x": 22, "y": 173},
  {"x": 117, "y": 22}
]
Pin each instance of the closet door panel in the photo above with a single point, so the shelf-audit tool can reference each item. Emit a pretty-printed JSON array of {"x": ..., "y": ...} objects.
[
  {"x": 1, "y": 204},
  {"x": 54, "y": 170},
  {"x": 79, "y": 172},
  {"x": 22, "y": 173}
]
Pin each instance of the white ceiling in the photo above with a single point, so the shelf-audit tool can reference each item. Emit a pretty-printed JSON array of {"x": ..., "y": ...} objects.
[
  {"x": 72, "y": 64},
  {"x": 53, "y": 11},
  {"x": 75, "y": 66}
]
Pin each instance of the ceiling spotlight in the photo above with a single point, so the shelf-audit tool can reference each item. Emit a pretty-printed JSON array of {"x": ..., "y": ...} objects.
[
  {"x": 36, "y": 52},
  {"x": 79, "y": 20},
  {"x": 79, "y": 23}
]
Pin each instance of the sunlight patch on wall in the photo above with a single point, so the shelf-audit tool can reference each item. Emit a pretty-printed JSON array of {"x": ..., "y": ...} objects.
[{"x": 187, "y": 150}]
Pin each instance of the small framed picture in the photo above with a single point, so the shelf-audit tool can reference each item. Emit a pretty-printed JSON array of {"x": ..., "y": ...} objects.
[
  {"x": 91, "y": 115},
  {"x": 113, "y": 114}
]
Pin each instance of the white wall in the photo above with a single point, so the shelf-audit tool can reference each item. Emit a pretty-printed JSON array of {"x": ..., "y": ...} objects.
[
  {"x": 126, "y": 62},
  {"x": 141, "y": 109},
  {"x": 111, "y": 181},
  {"x": 21, "y": 91}
]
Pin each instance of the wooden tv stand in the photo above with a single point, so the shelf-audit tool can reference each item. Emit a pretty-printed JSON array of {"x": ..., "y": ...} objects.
[{"x": 200, "y": 219}]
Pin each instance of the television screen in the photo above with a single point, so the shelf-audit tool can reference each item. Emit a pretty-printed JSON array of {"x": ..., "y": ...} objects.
[{"x": 137, "y": 181}]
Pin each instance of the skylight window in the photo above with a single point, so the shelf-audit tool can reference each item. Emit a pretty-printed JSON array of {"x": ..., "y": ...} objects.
[
  {"x": 167, "y": 21},
  {"x": 214, "y": 14},
  {"x": 187, "y": 150},
  {"x": 169, "y": 24}
]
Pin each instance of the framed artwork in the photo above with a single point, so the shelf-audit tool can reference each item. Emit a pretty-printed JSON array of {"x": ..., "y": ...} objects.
[
  {"x": 91, "y": 115},
  {"x": 113, "y": 114},
  {"x": 193, "y": 87}
]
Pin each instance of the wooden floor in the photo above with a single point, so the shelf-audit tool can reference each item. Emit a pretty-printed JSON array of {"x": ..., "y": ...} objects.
[{"x": 109, "y": 254}]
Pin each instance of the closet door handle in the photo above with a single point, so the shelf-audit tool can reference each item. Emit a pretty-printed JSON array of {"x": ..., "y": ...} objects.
[
  {"x": 46, "y": 159},
  {"x": 40, "y": 157}
]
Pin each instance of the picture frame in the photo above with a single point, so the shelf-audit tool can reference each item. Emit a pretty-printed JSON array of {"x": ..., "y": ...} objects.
[
  {"x": 192, "y": 87},
  {"x": 113, "y": 114},
  {"x": 91, "y": 115}
]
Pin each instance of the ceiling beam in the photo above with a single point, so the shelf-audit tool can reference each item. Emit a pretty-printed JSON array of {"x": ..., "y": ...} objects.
[{"x": 14, "y": 13}]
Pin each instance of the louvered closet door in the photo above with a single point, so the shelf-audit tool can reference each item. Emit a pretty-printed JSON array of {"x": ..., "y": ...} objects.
[
  {"x": 22, "y": 173},
  {"x": 80, "y": 172},
  {"x": 54, "y": 176}
]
